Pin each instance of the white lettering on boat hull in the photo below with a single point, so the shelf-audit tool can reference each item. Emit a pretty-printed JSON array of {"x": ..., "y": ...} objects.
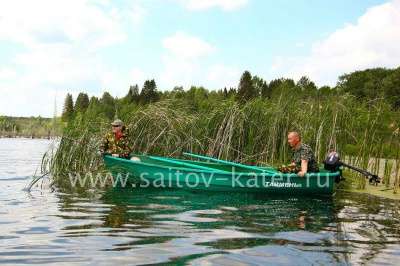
[{"x": 282, "y": 185}]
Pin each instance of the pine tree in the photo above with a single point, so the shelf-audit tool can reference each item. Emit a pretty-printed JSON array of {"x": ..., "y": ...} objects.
[
  {"x": 94, "y": 102},
  {"x": 82, "y": 103},
  {"x": 133, "y": 94},
  {"x": 94, "y": 107},
  {"x": 261, "y": 87},
  {"x": 149, "y": 92},
  {"x": 266, "y": 91},
  {"x": 107, "y": 103},
  {"x": 278, "y": 85},
  {"x": 246, "y": 90},
  {"x": 68, "y": 110},
  {"x": 306, "y": 85},
  {"x": 225, "y": 92},
  {"x": 232, "y": 91}
]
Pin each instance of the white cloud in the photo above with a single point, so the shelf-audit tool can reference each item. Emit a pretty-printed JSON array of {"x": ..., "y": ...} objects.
[
  {"x": 184, "y": 64},
  {"x": 137, "y": 76},
  {"x": 371, "y": 42},
  {"x": 137, "y": 14},
  {"x": 48, "y": 21},
  {"x": 182, "y": 59},
  {"x": 220, "y": 76},
  {"x": 178, "y": 72},
  {"x": 226, "y": 5},
  {"x": 7, "y": 73},
  {"x": 61, "y": 43},
  {"x": 183, "y": 45}
]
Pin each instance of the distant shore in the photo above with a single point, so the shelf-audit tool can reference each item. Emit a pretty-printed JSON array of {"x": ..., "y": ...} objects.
[
  {"x": 28, "y": 137},
  {"x": 30, "y": 127}
]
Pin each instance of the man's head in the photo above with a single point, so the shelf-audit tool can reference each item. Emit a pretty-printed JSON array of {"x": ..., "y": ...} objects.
[
  {"x": 294, "y": 139},
  {"x": 117, "y": 125}
]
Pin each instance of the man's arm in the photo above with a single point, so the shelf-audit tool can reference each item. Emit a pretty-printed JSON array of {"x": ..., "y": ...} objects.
[
  {"x": 305, "y": 156},
  {"x": 304, "y": 168}
]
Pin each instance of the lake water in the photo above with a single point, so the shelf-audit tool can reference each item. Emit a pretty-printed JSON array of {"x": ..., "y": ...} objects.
[{"x": 177, "y": 227}]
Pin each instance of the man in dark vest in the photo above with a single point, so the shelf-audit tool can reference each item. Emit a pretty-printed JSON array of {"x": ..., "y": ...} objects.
[{"x": 303, "y": 157}]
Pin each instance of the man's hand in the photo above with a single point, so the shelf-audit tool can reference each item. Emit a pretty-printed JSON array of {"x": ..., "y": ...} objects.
[
  {"x": 115, "y": 155},
  {"x": 301, "y": 174}
]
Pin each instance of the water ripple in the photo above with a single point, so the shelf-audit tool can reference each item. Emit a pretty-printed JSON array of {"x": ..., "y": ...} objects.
[{"x": 157, "y": 226}]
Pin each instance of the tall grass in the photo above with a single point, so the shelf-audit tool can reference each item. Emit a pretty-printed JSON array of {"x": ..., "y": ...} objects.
[{"x": 253, "y": 133}]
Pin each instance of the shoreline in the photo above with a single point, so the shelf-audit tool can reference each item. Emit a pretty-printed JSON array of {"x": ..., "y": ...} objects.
[
  {"x": 378, "y": 191},
  {"x": 27, "y": 137}
]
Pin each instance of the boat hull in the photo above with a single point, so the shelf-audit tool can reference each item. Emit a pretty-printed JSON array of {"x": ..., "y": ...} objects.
[{"x": 146, "y": 173}]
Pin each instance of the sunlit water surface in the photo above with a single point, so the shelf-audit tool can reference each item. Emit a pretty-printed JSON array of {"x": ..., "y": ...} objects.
[{"x": 177, "y": 227}]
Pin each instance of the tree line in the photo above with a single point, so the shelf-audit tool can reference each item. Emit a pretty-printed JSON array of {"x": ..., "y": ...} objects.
[
  {"x": 32, "y": 127},
  {"x": 367, "y": 85}
]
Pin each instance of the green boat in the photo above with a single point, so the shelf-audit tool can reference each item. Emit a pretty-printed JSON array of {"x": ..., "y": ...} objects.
[{"x": 215, "y": 174}]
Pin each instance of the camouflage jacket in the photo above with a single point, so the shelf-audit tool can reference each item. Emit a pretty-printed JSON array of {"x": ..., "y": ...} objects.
[
  {"x": 111, "y": 145},
  {"x": 305, "y": 153}
]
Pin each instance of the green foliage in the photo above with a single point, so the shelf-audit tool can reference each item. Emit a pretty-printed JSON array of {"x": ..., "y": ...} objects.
[
  {"x": 33, "y": 127},
  {"x": 246, "y": 89},
  {"x": 373, "y": 83},
  {"x": 107, "y": 105},
  {"x": 68, "y": 111},
  {"x": 325, "y": 91},
  {"x": 261, "y": 87},
  {"x": 149, "y": 92},
  {"x": 254, "y": 132},
  {"x": 306, "y": 85},
  {"x": 133, "y": 95},
  {"x": 391, "y": 88},
  {"x": 178, "y": 93},
  {"x": 249, "y": 125},
  {"x": 82, "y": 103},
  {"x": 277, "y": 86},
  {"x": 94, "y": 103}
]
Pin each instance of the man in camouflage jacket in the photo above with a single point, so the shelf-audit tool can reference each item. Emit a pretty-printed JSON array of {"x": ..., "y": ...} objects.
[
  {"x": 303, "y": 160},
  {"x": 116, "y": 142},
  {"x": 303, "y": 156}
]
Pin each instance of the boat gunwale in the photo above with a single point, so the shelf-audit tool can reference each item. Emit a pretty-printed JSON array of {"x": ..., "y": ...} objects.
[
  {"x": 242, "y": 174},
  {"x": 214, "y": 163}
]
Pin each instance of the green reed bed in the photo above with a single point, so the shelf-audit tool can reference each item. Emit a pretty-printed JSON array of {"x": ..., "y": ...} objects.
[{"x": 254, "y": 132}]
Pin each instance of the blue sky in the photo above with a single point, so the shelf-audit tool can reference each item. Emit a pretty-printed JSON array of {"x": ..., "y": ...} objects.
[{"x": 49, "y": 48}]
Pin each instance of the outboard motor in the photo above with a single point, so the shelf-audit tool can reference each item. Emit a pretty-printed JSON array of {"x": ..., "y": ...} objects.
[{"x": 332, "y": 163}]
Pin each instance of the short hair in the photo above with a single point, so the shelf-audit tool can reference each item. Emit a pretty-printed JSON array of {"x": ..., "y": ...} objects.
[{"x": 295, "y": 133}]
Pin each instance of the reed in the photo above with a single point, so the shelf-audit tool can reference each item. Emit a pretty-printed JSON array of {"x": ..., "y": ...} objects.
[
  {"x": 388, "y": 169},
  {"x": 396, "y": 178},
  {"x": 253, "y": 133}
]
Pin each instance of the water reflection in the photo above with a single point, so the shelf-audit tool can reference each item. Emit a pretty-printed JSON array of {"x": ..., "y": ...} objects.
[
  {"x": 165, "y": 225},
  {"x": 179, "y": 225},
  {"x": 159, "y": 226}
]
